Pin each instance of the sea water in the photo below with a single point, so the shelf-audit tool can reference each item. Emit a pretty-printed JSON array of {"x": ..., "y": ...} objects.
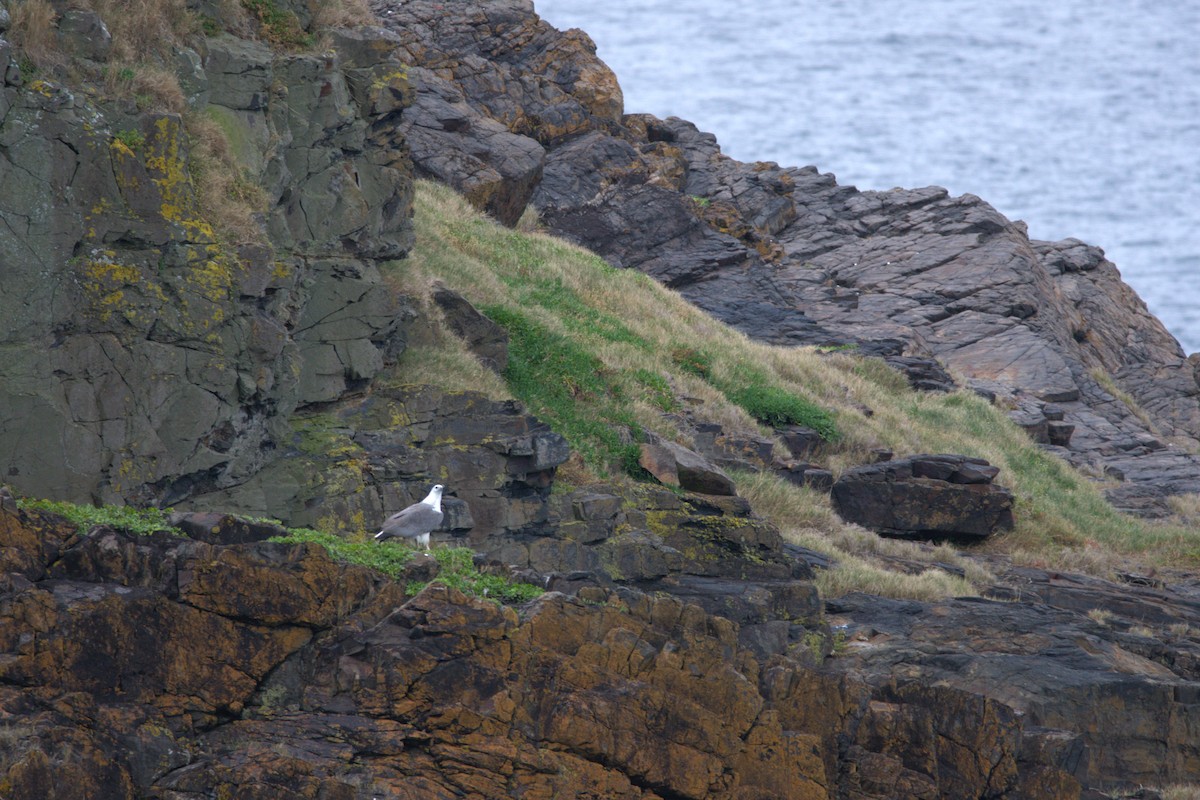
[{"x": 1081, "y": 118}]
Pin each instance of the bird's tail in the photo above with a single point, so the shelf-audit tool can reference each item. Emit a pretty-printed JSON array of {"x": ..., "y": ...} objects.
[{"x": 379, "y": 535}]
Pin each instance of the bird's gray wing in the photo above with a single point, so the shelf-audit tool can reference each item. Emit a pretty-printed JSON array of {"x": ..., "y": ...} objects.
[{"x": 412, "y": 521}]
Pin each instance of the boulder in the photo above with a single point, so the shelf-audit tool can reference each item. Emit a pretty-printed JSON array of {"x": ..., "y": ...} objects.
[
  {"x": 804, "y": 474},
  {"x": 925, "y": 496},
  {"x": 487, "y": 340},
  {"x": 676, "y": 465}
]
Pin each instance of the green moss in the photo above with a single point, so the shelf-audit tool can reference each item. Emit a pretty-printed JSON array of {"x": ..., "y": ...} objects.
[
  {"x": 134, "y": 520},
  {"x": 390, "y": 558},
  {"x": 569, "y": 387},
  {"x": 458, "y": 571},
  {"x": 751, "y": 388}
]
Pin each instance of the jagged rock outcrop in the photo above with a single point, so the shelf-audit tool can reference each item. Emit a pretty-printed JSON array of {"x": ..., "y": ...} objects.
[
  {"x": 148, "y": 359},
  {"x": 162, "y": 666},
  {"x": 791, "y": 257},
  {"x": 1069, "y": 675},
  {"x": 925, "y": 496},
  {"x": 351, "y": 464}
]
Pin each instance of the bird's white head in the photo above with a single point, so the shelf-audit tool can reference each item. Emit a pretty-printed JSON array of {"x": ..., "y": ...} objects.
[{"x": 434, "y": 498}]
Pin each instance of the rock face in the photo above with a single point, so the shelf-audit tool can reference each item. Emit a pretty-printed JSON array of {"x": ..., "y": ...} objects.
[
  {"x": 1137, "y": 655},
  {"x": 789, "y": 256},
  {"x": 925, "y": 496},
  {"x": 352, "y": 464},
  {"x": 160, "y": 666},
  {"x": 159, "y": 359}
]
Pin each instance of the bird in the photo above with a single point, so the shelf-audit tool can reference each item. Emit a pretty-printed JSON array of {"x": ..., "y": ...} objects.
[{"x": 416, "y": 521}]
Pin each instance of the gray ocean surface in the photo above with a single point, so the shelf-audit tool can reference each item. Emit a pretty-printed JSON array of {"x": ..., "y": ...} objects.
[{"x": 1080, "y": 118}]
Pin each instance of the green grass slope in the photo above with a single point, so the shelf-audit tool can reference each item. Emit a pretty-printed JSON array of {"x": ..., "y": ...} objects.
[{"x": 602, "y": 354}]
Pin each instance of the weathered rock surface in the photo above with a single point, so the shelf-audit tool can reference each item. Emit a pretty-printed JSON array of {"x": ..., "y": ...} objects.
[
  {"x": 159, "y": 360},
  {"x": 675, "y": 465},
  {"x": 1058, "y": 649},
  {"x": 159, "y": 666},
  {"x": 789, "y": 256},
  {"x": 925, "y": 496},
  {"x": 351, "y": 464}
]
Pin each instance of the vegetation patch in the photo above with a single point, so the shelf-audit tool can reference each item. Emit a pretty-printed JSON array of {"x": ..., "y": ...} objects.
[
  {"x": 141, "y": 521},
  {"x": 456, "y": 564},
  {"x": 390, "y": 558},
  {"x": 601, "y": 352},
  {"x": 278, "y": 25},
  {"x": 777, "y": 407},
  {"x": 568, "y": 386},
  {"x": 458, "y": 571}
]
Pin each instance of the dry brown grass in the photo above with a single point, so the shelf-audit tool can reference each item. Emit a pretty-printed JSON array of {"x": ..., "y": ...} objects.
[
  {"x": 1189, "y": 791},
  {"x": 145, "y": 30},
  {"x": 343, "y": 14},
  {"x": 159, "y": 89},
  {"x": 33, "y": 31},
  {"x": 230, "y": 201}
]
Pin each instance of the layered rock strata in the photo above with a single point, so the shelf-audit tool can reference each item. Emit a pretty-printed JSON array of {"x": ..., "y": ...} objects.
[{"x": 161, "y": 666}]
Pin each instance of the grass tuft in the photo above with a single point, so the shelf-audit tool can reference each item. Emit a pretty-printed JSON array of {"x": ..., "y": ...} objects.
[
  {"x": 457, "y": 566},
  {"x": 390, "y": 558},
  {"x": 458, "y": 571},
  {"x": 141, "y": 521}
]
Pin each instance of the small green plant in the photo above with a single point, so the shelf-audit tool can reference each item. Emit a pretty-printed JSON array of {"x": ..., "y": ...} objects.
[
  {"x": 814, "y": 643},
  {"x": 210, "y": 25},
  {"x": 458, "y": 571},
  {"x": 271, "y": 700},
  {"x": 135, "y": 520},
  {"x": 133, "y": 139},
  {"x": 702, "y": 202},
  {"x": 390, "y": 558}
]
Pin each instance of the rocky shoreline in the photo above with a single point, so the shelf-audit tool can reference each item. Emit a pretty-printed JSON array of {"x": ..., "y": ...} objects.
[
  {"x": 790, "y": 257},
  {"x": 683, "y": 650}
]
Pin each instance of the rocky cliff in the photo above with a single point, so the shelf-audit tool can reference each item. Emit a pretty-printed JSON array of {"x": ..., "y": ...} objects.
[
  {"x": 511, "y": 111},
  {"x": 153, "y": 357}
]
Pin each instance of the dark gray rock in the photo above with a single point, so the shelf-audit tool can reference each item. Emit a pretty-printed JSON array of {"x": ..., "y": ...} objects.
[
  {"x": 925, "y": 497},
  {"x": 800, "y": 441},
  {"x": 164, "y": 360},
  {"x": 451, "y": 142},
  {"x": 802, "y": 474},
  {"x": 217, "y": 528},
  {"x": 484, "y": 338},
  {"x": 84, "y": 34},
  {"x": 676, "y": 465}
]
